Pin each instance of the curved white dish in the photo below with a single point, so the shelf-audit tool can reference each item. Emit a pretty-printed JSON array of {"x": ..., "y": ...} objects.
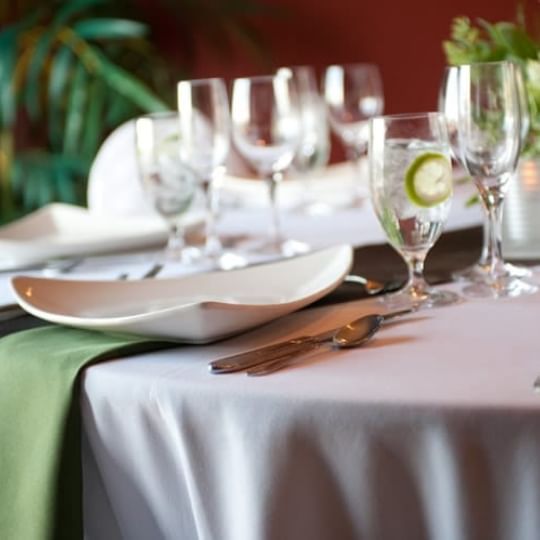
[
  {"x": 198, "y": 308},
  {"x": 64, "y": 230}
]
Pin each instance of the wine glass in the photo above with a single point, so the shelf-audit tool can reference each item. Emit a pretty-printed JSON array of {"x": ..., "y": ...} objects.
[
  {"x": 489, "y": 138},
  {"x": 448, "y": 105},
  {"x": 314, "y": 149},
  {"x": 266, "y": 129},
  {"x": 353, "y": 94},
  {"x": 167, "y": 180},
  {"x": 411, "y": 189},
  {"x": 204, "y": 117}
]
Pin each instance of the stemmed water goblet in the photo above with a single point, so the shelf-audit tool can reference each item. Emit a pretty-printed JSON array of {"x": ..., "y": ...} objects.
[
  {"x": 267, "y": 131},
  {"x": 411, "y": 189},
  {"x": 448, "y": 105},
  {"x": 204, "y": 123},
  {"x": 167, "y": 180},
  {"x": 353, "y": 94},
  {"x": 314, "y": 149},
  {"x": 489, "y": 138}
]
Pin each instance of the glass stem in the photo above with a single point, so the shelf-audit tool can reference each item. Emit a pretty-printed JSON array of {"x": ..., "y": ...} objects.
[
  {"x": 354, "y": 155},
  {"x": 212, "y": 244},
  {"x": 492, "y": 198},
  {"x": 486, "y": 232},
  {"x": 272, "y": 182},
  {"x": 417, "y": 284},
  {"x": 176, "y": 241}
]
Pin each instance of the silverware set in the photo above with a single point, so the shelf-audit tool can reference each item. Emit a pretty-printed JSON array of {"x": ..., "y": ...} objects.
[{"x": 271, "y": 358}]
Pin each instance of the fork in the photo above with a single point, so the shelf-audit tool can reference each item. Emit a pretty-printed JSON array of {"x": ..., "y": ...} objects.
[{"x": 152, "y": 272}]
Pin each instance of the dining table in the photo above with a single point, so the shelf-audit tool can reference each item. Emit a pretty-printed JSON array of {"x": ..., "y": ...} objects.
[{"x": 429, "y": 431}]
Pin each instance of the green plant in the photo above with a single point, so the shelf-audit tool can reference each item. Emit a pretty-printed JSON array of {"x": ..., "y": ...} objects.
[
  {"x": 72, "y": 70},
  {"x": 487, "y": 42}
]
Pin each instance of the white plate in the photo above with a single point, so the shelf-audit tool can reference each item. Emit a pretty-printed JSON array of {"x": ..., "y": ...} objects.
[
  {"x": 198, "y": 308},
  {"x": 63, "y": 230}
]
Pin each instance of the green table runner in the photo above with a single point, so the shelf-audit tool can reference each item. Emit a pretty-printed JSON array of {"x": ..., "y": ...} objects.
[{"x": 40, "y": 431}]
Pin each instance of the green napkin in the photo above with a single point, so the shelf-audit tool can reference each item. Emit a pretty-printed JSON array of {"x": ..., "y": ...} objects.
[{"x": 40, "y": 427}]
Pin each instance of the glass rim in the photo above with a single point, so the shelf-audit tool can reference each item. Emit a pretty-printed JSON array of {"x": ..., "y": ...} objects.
[
  {"x": 197, "y": 82},
  {"x": 353, "y": 64},
  {"x": 258, "y": 78},
  {"x": 490, "y": 63},
  {"x": 309, "y": 67},
  {"x": 407, "y": 116}
]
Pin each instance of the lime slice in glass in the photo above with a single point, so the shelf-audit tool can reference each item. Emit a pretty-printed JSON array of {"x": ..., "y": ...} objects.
[{"x": 428, "y": 179}]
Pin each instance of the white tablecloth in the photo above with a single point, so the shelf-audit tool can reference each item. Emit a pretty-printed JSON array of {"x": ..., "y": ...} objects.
[{"x": 432, "y": 431}]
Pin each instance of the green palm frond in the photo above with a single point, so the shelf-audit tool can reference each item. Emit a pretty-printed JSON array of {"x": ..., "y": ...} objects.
[
  {"x": 73, "y": 70},
  {"x": 8, "y": 40},
  {"x": 107, "y": 29},
  {"x": 59, "y": 76},
  {"x": 94, "y": 127}
]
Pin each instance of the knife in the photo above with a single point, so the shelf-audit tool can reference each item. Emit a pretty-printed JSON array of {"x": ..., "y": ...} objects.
[
  {"x": 241, "y": 361},
  {"x": 246, "y": 360}
]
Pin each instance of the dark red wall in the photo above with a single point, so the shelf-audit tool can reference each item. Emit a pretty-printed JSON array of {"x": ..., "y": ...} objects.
[{"x": 403, "y": 37}]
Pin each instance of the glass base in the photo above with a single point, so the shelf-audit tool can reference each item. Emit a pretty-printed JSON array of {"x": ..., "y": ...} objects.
[
  {"x": 290, "y": 248},
  {"x": 200, "y": 257},
  {"x": 480, "y": 272},
  {"x": 500, "y": 287},
  {"x": 517, "y": 271},
  {"x": 229, "y": 260},
  {"x": 214, "y": 254},
  {"x": 426, "y": 299},
  {"x": 222, "y": 260},
  {"x": 186, "y": 255}
]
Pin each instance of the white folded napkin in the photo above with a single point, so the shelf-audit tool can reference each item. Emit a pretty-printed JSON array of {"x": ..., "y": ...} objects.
[
  {"x": 63, "y": 230},
  {"x": 114, "y": 187}
]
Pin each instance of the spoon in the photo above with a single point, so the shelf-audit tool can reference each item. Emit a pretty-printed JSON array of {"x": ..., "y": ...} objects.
[
  {"x": 357, "y": 332},
  {"x": 352, "y": 334},
  {"x": 372, "y": 286}
]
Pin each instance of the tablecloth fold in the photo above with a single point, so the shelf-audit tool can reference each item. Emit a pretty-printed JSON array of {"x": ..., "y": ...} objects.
[{"x": 40, "y": 448}]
